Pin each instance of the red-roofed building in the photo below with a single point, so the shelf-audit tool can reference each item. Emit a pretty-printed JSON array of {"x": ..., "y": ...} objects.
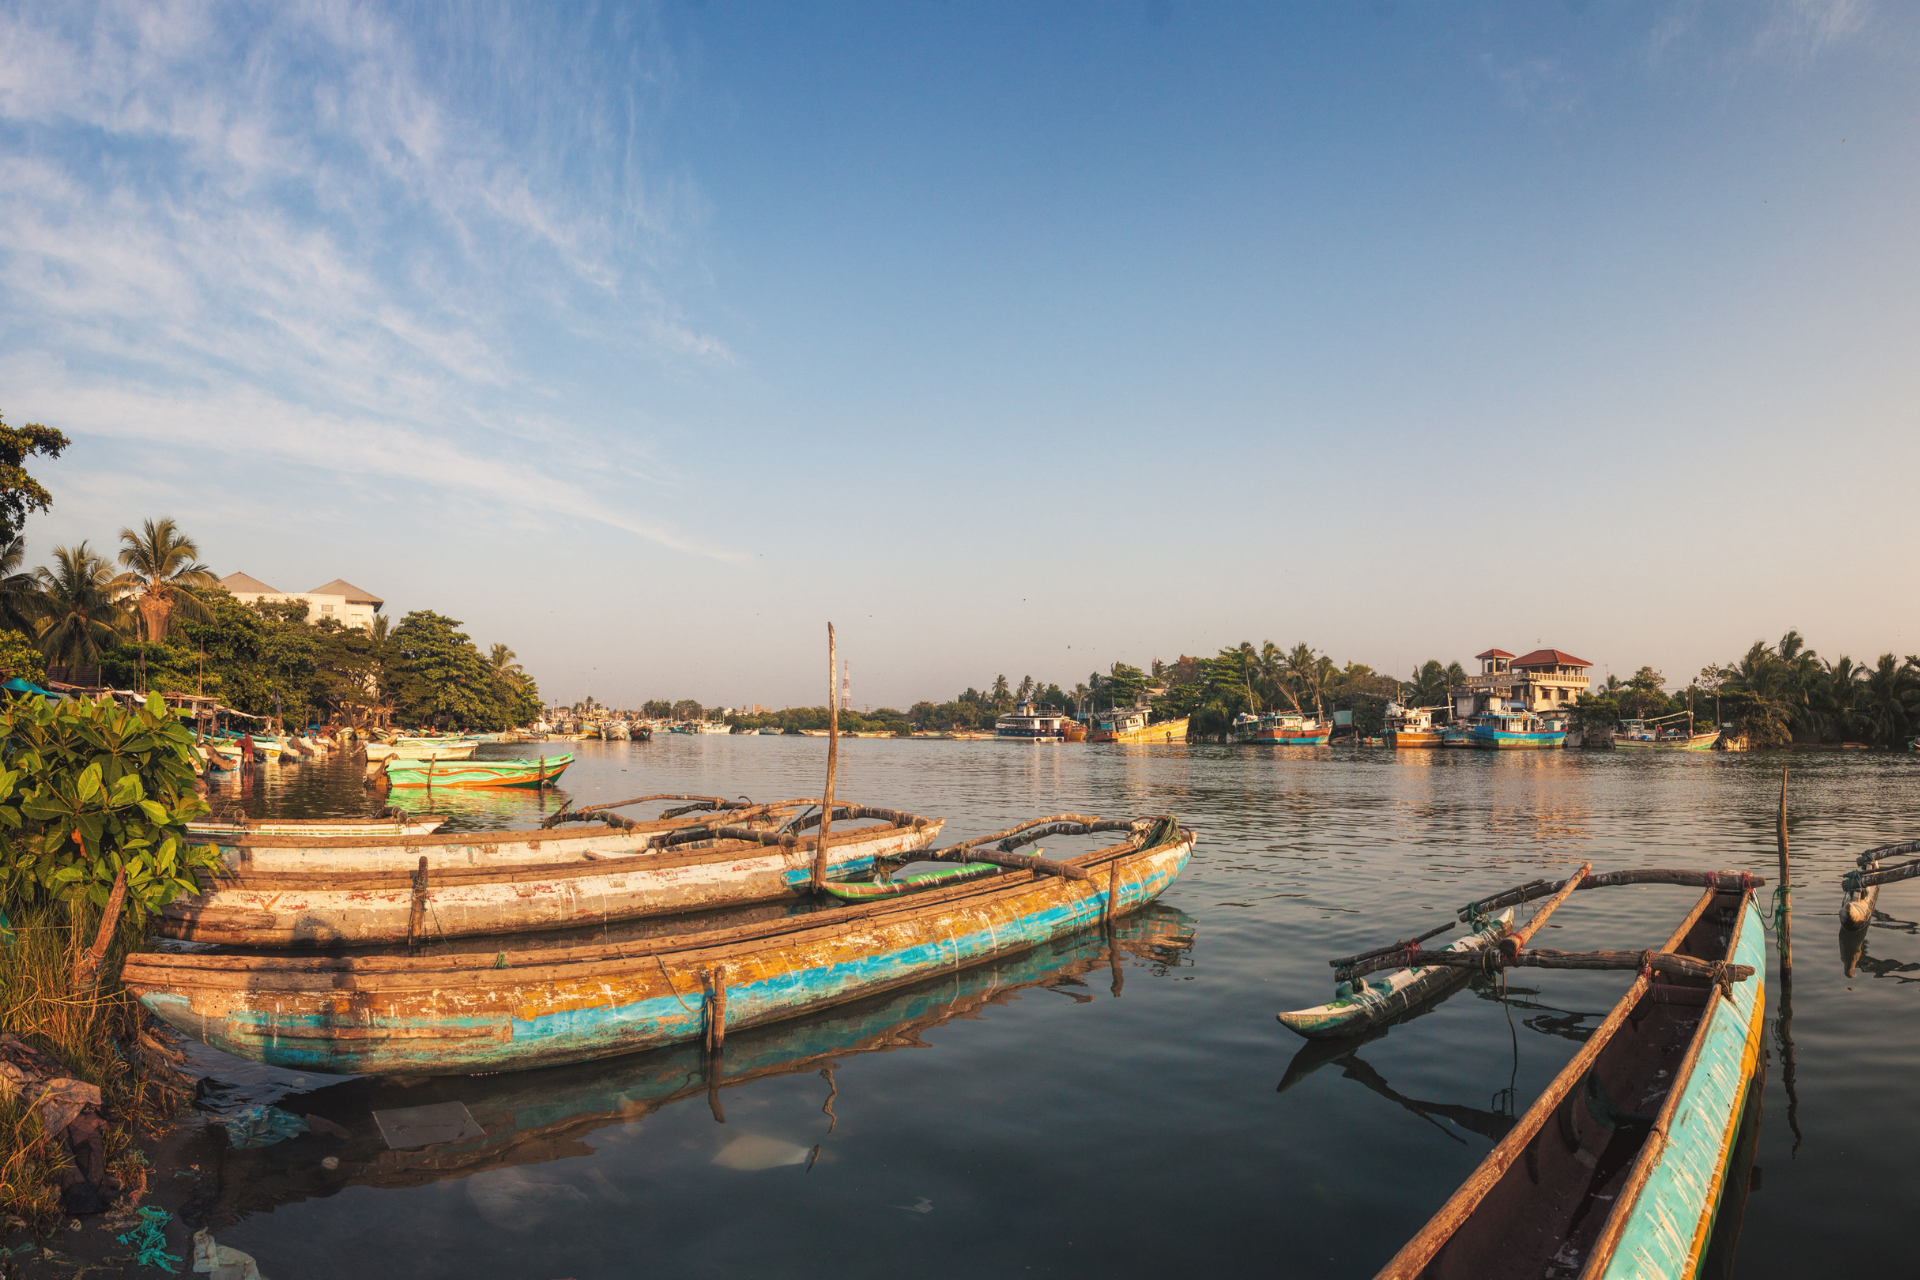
[{"x": 1546, "y": 680}]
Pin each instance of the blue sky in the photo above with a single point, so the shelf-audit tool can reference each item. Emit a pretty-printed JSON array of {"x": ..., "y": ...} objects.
[{"x": 1011, "y": 338}]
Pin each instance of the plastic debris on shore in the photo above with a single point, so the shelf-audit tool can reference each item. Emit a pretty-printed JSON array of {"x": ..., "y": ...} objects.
[
  {"x": 262, "y": 1126},
  {"x": 149, "y": 1240},
  {"x": 222, "y": 1262}
]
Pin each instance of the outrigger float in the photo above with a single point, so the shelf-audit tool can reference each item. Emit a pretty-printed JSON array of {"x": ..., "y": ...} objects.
[
  {"x": 1616, "y": 1170},
  {"x": 1860, "y": 889},
  {"x": 458, "y": 1013},
  {"x": 762, "y": 855}
]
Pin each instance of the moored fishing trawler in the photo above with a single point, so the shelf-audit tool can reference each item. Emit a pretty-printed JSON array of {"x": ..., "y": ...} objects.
[
  {"x": 1133, "y": 724},
  {"x": 1280, "y": 728},
  {"x": 1650, "y": 735},
  {"x": 1024, "y": 724},
  {"x": 1411, "y": 726},
  {"x": 1514, "y": 730}
]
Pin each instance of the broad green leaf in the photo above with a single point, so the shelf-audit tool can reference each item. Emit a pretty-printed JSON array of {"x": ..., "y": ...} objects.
[{"x": 89, "y": 782}]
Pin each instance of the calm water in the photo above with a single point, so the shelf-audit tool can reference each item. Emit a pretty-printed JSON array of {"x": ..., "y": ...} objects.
[{"x": 1029, "y": 1117}]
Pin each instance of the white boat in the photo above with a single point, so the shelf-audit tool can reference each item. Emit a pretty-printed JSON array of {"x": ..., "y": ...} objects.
[
  {"x": 1024, "y": 724},
  {"x": 422, "y": 749}
]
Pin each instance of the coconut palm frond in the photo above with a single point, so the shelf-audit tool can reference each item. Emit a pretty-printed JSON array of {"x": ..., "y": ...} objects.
[{"x": 80, "y": 616}]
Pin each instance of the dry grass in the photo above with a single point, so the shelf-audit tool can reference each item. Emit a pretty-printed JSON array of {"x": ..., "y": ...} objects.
[{"x": 96, "y": 1036}]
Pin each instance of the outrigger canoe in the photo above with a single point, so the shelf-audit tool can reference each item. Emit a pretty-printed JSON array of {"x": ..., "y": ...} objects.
[
  {"x": 470, "y": 774},
  {"x": 328, "y": 909},
  {"x": 1616, "y": 1169},
  {"x": 612, "y": 837},
  {"x": 460, "y": 1013}
]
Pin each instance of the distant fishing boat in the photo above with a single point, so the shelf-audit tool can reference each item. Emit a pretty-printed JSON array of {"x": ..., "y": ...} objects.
[
  {"x": 458, "y": 1012},
  {"x": 1411, "y": 726},
  {"x": 1648, "y": 735},
  {"x": 1024, "y": 724},
  {"x": 1280, "y": 729},
  {"x": 1457, "y": 734},
  {"x": 1132, "y": 724},
  {"x": 753, "y": 864},
  {"x": 469, "y": 774},
  {"x": 1515, "y": 731},
  {"x": 422, "y": 749}
]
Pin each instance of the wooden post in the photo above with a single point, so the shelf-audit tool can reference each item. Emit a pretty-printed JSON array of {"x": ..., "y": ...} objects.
[
  {"x": 417, "y": 917},
  {"x": 716, "y": 1011},
  {"x": 1786, "y": 886},
  {"x": 833, "y": 761},
  {"x": 89, "y": 967}
]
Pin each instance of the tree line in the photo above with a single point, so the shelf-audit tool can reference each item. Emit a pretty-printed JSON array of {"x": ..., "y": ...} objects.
[
  {"x": 161, "y": 621},
  {"x": 1775, "y": 694}
]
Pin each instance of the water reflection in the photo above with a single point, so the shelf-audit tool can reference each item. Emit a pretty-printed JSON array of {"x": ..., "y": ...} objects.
[{"x": 534, "y": 1117}]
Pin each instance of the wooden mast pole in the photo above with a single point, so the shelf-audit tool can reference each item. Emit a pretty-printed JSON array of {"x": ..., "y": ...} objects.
[
  {"x": 1786, "y": 886},
  {"x": 833, "y": 761}
]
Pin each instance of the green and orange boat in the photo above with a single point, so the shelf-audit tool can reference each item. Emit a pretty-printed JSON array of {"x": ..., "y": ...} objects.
[{"x": 469, "y": 774}]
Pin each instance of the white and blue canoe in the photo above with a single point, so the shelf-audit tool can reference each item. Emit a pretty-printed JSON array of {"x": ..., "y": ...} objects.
[
  {"x": 1358, "y": 1003},
  {"x": 1622, "y": 1168}
]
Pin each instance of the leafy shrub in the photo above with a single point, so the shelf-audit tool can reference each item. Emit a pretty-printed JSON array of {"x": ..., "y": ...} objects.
[{"x": 91, "y": 788}]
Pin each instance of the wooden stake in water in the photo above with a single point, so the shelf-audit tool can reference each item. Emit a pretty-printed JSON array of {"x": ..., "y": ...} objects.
[
  {"x": 833, "y": 761},
  {"x": 1786, "y": 885}
]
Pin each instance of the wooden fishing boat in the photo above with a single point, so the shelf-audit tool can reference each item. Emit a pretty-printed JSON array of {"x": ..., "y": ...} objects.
[
  {"x": 319, "y": 828},
  {"x": 1358, "y": 1003},
  {"x": 1860, "y": 890},
  {"x": 1132, "y": 724},
  {"x": 310, "y": 908},
  {"x": 531, "y": 1117},
  {"x": 421, "y": 749},
  {"x": 610, "y": 836},
  {"x": 467, "y": 774},
  {"x": 1616, "y": 1169},
  {"x": 1279, "y": 729},
  {"x": 1657, "y": 735},
  {"x": 1411, "y": 726},
  {"x": 459, "y": 1013},
  {"x": 1516, "y": 731}
]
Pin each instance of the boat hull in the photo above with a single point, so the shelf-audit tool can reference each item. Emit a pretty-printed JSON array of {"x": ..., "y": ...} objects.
[
  {"x": 303, "y": 909},
  {"x": 1484, "y": 739},
  {"x": 472, "y": 775},
  {"x": 460, "y": 1013},
  {"x": 1698, "y": 742},
  {"x": 1401, "y": 739},
  {"x": 1166, "y": 731},
  {"x": 322, "y": 830}
]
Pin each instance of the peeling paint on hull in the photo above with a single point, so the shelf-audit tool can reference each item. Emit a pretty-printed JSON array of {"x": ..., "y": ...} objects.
[
  {"x": 308, "y": 909},
  {"x": 455, "y": 1014}
]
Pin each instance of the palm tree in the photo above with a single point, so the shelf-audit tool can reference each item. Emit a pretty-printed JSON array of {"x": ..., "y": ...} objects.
[
  {"x": 1891, "y": 698},
  {"x": 1762, "y": 680},
  {"x": 500, "y": 659},
  {"x": 19, "y": 592},
  {"x": 80, "y": 616},
  {"x": 1301, "y": 671},
  {"x": 160, "y": 561}
]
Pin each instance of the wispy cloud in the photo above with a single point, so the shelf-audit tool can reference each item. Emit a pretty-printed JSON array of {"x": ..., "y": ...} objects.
[
  {"x": 323, "y": 236},
  {"x": 1802, "y": 29}
]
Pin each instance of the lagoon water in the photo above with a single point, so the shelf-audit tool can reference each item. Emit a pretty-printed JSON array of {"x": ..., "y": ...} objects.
[{"x": 1074, "y": 1112}]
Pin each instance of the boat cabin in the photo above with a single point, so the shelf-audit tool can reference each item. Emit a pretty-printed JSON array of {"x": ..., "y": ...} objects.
[{"x": 1023, "y": 723}]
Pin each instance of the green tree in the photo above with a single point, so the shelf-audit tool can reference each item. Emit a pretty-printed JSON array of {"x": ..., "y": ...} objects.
[
  {"x": 1758, "y": 685},
  {"x": 160, "y": 561},
  {"x": 1890, "y": 699},
  {"x": 80, "y": 619},
  {"x": 1644, "y": 695},
  {"x": 1002, "y": 696},
  {"x": 20, "y": 492},
  {"x": 439, "y": 676}
]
